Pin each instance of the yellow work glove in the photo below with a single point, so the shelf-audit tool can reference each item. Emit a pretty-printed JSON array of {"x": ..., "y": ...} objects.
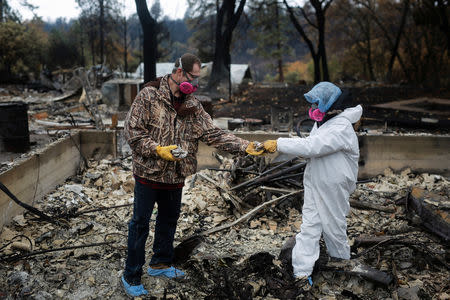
[
  {"x": 165, "y": 152},
  {"x": 252, "y": 151},
  {"x": 270, "y": 146}
]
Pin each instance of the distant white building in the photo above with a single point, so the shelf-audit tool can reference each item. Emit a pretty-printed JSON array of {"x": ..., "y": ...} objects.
[
  {"x": 239, "y": 72},
  {"x": 161, "y": 69}
]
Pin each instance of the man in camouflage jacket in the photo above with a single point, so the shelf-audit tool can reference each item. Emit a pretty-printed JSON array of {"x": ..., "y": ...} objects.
[{"x": 161, "y": 119}]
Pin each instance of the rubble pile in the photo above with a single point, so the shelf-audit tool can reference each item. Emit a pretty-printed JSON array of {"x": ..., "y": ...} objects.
[
  {"x": 81, "y": 254},
  {"x": 52, "y": 115}
]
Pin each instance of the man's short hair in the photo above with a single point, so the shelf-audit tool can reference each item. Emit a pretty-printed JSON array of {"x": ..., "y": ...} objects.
[{"x": 188, "y": 61}]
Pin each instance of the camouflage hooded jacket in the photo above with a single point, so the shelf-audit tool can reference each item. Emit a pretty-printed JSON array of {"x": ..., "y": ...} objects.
[{"x": 153, "y": 121}]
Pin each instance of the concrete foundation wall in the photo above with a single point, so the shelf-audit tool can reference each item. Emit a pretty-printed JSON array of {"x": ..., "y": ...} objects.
[
  {"x": 421, "y": 153},
  {"x": 42, "y": 172}
]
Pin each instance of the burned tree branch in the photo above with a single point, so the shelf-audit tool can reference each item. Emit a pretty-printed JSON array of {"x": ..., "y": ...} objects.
[
  {"x": 79, "y": 213},
  {"x": 376, "y": 241},
  {"x": 16, "y": 257},
  {"x": 433, "y": 219},
  {"x": 248, "y": 215},
  {"x": 370, "y": 206},
  {"x": 348, "y": 266},
  {"x": 276, "y": 190},
  {"x": 262, "y": 179},
  {"x": 355, "y": 267},
  {"x": 235, "y": 200}
]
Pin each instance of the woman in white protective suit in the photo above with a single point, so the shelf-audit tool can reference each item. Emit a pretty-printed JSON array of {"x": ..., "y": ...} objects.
[{"x": 329, "y": 178}]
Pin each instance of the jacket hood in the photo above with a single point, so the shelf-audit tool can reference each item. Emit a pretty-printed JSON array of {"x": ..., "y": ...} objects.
[{"x": 353, "y": 114}]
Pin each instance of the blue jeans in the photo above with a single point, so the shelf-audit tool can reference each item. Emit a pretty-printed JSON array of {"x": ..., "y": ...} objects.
[{"x": 169, "y": 204}]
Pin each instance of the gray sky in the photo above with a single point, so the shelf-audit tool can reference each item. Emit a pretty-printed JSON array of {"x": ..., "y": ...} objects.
[{"x": 52, "y": 9}]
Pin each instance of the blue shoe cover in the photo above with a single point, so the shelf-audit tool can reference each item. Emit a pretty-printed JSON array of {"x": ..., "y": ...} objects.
[
  {"x": 168, "y": 272},
  {"x": 133, "y": 290}
]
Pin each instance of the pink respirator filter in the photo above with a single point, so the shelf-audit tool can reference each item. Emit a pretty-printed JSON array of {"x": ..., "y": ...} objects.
[
  {"x": 316, "y": 114},
  {"x": 187, "y": 88}
]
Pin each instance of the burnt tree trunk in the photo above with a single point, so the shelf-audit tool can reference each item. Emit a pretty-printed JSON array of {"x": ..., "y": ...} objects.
[
  {"x": 227, "y": 20},
  {"x": 394, "y": 51},
  {"x": 91, "y": 37},
  {"x": 369, "y": 55},
  {"x": 279, "y": 61},
  {"x": 314, "y": 54},
  {"x": 386, "y": 32},
  {"x": 125, "y": 47},
  {"x": 220, "y": 68},
  {"x": 320, "y": 17},
  {"x": 148, "y": 25},
  {"x": 1, "y": 11},
  {"x": 102, "y": 31},
  {"x": 83, "y": 56},
  {"x": 442, "y": 7}
]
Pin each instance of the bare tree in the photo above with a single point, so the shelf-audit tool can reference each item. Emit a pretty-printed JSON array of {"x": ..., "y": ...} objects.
[
  {"x": 125, "y": 46},
  {"x": 102, "y": 30},
  {"x": 148, "y": 24},
  {"x": 386, "y": 28},
  {"x": 1, "y": 10},
  {"x": 227, "y": 19},
  {"x": 270, "y": 30},
  {"x": 318, "y": 53},
  {"x": 227, "y": 14},
  {"x": 434, "y": 12},
  {"x": 279, "y": 59},
  {"x": 357, "y": 29},
  {"x": 102, "y": 18}
]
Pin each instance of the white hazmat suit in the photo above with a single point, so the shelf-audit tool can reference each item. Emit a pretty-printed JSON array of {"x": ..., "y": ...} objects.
[{"x": 329, "y": 179}]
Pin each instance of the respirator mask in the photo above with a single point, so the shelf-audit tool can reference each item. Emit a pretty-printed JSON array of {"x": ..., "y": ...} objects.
[
  {"x": 187, "y": 87},
  {"x": 315, "y": 113}
]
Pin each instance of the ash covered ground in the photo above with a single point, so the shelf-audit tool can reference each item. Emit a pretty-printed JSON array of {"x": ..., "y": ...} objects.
[{"x": 240, "y": 262}]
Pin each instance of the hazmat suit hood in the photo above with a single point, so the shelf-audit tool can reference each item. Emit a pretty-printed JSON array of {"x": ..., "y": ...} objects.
[{"x": 353, "y": 114}]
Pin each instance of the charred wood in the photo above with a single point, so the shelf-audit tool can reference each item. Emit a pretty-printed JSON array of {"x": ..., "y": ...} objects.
[
  {"x": 271, "y": 177},
  {"x": 433, "y": 218},
  {"x": 370, "y": 206}
]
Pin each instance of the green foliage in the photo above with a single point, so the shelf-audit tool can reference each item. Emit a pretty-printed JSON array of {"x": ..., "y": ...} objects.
[
  {"x": 298, "y": 70},
  {"x": 21, "y": 49},
  {"x": 270, "y": 78},
  {"x": 62, "y": 51},
  {"x": 293, "y": 77}
]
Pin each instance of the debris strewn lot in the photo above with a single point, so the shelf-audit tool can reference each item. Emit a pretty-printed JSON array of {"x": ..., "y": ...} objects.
[{"x": 239, "y": 262}]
